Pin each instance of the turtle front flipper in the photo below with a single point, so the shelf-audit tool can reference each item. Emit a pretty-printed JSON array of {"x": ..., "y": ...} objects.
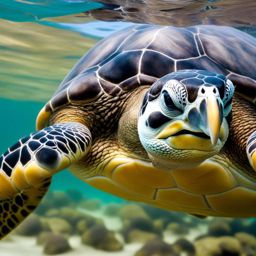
[
  {"x": 251, "y": 150},
  {"x": 26, "y": 168}
]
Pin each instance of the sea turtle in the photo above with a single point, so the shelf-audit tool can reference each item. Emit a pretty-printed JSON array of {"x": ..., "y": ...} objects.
[{"x": 147, "y": 115}]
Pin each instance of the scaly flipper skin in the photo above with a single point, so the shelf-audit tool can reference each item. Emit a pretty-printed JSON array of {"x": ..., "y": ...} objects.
[
  {"x": 26, "y": 168},
  {"x": 251, "y": 150}
]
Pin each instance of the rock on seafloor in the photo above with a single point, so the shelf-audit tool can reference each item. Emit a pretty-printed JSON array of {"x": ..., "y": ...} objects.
[
  {"x": 214, "y": 246},
  {"x": 139, "y": 230},
  {"x": 30, "y": 226},
  {"x": 184, "y": 246},
  {"x": 140, "y": 236},
  {"x": 43, "y": 237},
  {"x": 100, "y": 237},
  {"x": 59, "y": 226},
  {"x": 56, "y": 244},
  {"x": 156, "y": 247},
  {"x": 219, "y": 228},
  {"x": 177, "y": 228},
  {"x": 247, "y": 241},
  {"x": 131, "y": 211}
]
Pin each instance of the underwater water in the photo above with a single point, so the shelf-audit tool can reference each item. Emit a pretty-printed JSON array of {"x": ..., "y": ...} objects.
[{"x": 40, "y": 41}]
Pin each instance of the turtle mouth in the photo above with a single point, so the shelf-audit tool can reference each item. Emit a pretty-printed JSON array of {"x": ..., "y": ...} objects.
[
  {"x": 182, "y": 137},
  {"x": 191, "y": 140},
  {"x": 187, "y": 132}
]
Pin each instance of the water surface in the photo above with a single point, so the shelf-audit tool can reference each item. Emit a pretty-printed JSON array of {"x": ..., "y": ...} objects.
[{"x": 181, "y": 12}]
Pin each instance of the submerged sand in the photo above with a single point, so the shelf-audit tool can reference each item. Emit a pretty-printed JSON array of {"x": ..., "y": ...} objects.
[
  {"x": 84, "y": 220},
  {"x": 15, "y": 245},
  {"x": 25, "y": 246}
]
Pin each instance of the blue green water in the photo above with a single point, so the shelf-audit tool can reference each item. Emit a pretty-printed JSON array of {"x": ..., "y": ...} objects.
[{"x": 34, "y": 10}]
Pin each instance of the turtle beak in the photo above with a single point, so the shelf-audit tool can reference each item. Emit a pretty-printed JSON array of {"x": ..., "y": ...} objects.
[
  {"x": 202, "y": 122},
  {"x": 211, "y": 118}
]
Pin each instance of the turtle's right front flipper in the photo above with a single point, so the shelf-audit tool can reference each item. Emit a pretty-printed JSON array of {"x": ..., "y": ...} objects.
[{"x": 26, "y": 168}]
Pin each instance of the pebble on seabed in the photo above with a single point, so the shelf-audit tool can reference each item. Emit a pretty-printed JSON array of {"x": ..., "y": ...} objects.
[
  {"x": 100, "y": 237},
  {"x": 56, "y": 244},
  {"x": 225, "y": 245},
  {"x": 30, "y": 226},
  {"x": 219, "y": 228},
  {"x": 182, "y": 245},
  {"x": 156, "y": 247},
  {"x": 131, "y": 211}
]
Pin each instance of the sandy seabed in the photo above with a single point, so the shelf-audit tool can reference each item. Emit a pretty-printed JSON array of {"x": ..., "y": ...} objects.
[
  {"x": 15, "y": 245},
  {"x": 23, "y": 246}
]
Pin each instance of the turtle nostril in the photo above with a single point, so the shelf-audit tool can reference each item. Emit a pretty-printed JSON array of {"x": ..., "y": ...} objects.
[
  {"x": 214, "y": 90},
  {"x": 202, "y": 90}
]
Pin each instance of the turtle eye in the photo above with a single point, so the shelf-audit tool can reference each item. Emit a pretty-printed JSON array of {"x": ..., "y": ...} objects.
[{"x": 170, "y": 105}]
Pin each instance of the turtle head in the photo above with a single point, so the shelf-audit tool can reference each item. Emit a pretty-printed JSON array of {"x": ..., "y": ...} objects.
[{"x": 184, "y": 118}]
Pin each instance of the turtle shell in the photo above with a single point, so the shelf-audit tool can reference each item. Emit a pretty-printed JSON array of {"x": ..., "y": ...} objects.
[{"x": 143, "y": 53}]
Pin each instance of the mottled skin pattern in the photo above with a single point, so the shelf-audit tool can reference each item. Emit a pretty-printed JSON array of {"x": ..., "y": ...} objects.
[{"x": 93, "y": 125}]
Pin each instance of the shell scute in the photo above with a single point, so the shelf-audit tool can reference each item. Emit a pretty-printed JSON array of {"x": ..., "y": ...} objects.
[
  {"x": 225, "y": 51},
  {"x": 96, "y": 55},
  {"x": 60, "y": 99},
  {"x": 84, "y": 88},
  {"x": 122, "y": 67},
  {"x": 143, "y": 39},
  {"x": 156, "y": 65},
  {"x": 203, "y": 63},
  {"x": 176, "y": 43},
  {"x": 247, "y": 86}
]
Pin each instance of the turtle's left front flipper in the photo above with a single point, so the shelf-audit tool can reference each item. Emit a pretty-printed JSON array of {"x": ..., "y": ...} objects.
[
  {"x": 251, "y": 150},
  {"x": 26, "y": 168}
]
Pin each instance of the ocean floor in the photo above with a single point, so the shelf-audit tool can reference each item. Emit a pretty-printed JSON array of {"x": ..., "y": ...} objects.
[
  {"x": 25, "y": 246},
  {"x": 17, "y": 245},
  {"x": 76, "y": 226}
]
